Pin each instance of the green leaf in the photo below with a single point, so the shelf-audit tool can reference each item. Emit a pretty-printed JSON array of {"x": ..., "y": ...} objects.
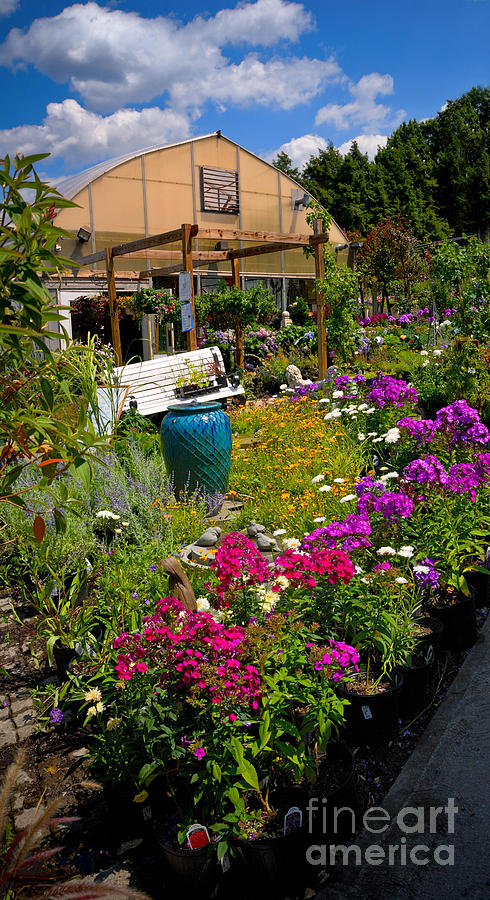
[
  {"x": 249, "y": 774},
  {"x": 59, "y": 521}
]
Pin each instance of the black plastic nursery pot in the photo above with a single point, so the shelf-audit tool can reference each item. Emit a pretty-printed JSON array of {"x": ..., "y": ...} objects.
[
  {"x": 417, "y": 678},
  {"x": 459, "y": 623},
  {"x": 372, "y": 719},
  {"x": 271, "y": 866},
  {"x": 479, "y": 583},
  {"x": 191, "y": 873},
  {"x": 328, "y": 822},
  {"x": 63, "y": 657},
  {"x": 426, "y": 641}
]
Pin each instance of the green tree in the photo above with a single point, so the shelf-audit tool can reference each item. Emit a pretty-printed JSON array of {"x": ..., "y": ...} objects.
[
  {"x": 353, "y": 201},
  {"x": 390, "y": 253},
  {"x": 321, "y": 175},
  {"x": 459, "y": 142},
  {"x": 339, "y": 290},
  {"x": 232, "y": 307},
  {"x": 285, "y": 164},
  {"x": 404, "y": 181}
]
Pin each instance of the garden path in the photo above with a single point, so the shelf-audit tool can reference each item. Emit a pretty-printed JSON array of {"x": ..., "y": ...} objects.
[{"x": 450, "y": 761}]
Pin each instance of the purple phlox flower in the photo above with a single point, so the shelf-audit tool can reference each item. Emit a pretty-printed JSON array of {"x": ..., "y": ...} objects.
[
  {"x": 56, "y": 716},
  {"x": 200, "y": 752},
  {"x": 425, "y": 574},
  {"x": 386, "y": 390},
  {"x": 426, "y": 471},
  {"x": 394, "y": 505}
]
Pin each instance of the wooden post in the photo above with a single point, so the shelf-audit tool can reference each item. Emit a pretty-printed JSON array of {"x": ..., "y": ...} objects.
[
  {"x": 191, "y": 336},
  {"x": 240, "y": 352},
  {"x": 111, "y": 292},
  {"x": 320, "y": 303}
]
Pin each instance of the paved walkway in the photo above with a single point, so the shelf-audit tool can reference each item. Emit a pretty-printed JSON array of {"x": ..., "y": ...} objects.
[
  {"x": 17, "y": 717},
  {"x": 449, "y": 768}
]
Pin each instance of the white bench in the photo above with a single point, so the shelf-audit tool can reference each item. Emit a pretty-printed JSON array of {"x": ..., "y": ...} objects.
[{"x": 152, "y": 384}]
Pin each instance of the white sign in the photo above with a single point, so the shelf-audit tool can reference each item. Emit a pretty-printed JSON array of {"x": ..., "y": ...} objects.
[{"x": 184, "y": 286}]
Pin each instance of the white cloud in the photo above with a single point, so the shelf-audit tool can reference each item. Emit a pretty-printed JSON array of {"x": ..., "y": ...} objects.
[
  {"x": 7, "y": 7},
  {"x": 112, "y": 57},
  {"x": 300, "y": 149},
  {"x": 81, "y": 136},
  {"x": 363, "y": 110},
  {"x": 367, "y": 143}
]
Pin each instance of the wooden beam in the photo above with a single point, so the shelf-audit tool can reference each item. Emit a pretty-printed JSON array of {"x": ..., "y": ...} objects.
[
  {"x": 320, "y": 303},
  {"x": 236, "y": 234},
  {"x": 93, "y": 258},
  {"x": 261, "y": 249},
  {"x": 167, "y": 237},
  {"x": 176, "y": 267},
  {"x": 111, "y": 293},
  {"x": 187, "y": 234},
  {"x": 211, "y": 255}
]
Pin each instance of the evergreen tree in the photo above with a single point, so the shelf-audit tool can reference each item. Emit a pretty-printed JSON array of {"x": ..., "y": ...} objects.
[
  {"x": 321, "y": 177},
  {"x": 404, "y": 181},
  {"x": 459, "y": 141},
  {"x": 285, "y": 164}
]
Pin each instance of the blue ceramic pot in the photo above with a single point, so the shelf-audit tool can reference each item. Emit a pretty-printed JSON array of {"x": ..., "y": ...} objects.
[{"x": 196, "y": 447}]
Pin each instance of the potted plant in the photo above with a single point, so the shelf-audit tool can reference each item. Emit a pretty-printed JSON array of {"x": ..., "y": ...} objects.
[
  {"x": 370, "y": 621},
  {"x": 193, "y": 381},
  {"x": 154, "y": 301},
  {"x": 62, "y": 621}
]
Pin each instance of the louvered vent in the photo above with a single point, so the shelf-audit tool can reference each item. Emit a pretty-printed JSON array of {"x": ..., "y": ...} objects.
[{"x": 219, "y": 190}]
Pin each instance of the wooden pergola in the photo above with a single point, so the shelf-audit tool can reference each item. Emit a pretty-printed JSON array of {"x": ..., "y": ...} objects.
[{"x": 263, "y": 242}]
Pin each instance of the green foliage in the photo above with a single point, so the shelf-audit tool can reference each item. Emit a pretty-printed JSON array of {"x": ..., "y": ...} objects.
[
  {"x": 339, "y": 290},
  {"x": 230, "y": 306},
  {"x": 284, "y": 162},
  {"x": 434, "y": 174},
  {"x": 461, "y": 279},
  {"x": 31, "y": 384},
  {"x": 390, "y": 254},
  {"x": 300, "y": 312}
]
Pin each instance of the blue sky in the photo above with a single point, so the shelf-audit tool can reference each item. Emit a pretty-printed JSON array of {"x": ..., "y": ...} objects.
[{"x": 87, "y": 81}]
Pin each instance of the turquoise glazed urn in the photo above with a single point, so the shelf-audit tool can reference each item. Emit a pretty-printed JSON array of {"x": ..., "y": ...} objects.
[{"x": 196, "y": 447}]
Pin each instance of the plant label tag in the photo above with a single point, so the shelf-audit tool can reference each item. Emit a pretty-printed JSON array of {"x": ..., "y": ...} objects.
[
  {"x": 198, "y": 836},
  {"x": 225, "y": 862},
  {"x": 293, "y": 820},
  {"x": 366, "y": 711},
  {"x": 147, "y": 813},
  {"x": 186, "y": 317},
  {"x": 184, "y": 286}
]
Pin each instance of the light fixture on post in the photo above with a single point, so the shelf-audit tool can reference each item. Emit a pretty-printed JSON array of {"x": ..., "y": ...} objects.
[
  {"x": 299, "y": 199},
  {"x": 84, "y": 234}
]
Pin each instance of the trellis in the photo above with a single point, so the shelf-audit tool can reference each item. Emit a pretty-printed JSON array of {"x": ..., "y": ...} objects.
[{"x": 264, "y": 242}]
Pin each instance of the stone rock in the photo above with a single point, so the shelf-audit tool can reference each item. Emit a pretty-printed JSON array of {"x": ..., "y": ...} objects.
[
  {"x": 28, "y": 817},
  {"x": 76, "y": 754},
  {"x": 293, "y": 376},
  {"x": 209, "y": 538},
  {"x": 254, "y": 529},
  {"x": 264, "y": 542},
  {"x": 285, "y": 319},
  {"x": 202, "y": 555},
  {"x": 7, "y": 733}
]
